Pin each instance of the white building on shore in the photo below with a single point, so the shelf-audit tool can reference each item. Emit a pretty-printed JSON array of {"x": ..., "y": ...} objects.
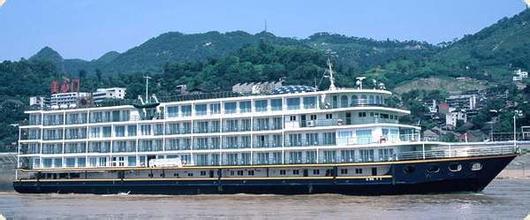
[
  {"x": 108, "y": 93},
  {"x": 67, "y": 99}
]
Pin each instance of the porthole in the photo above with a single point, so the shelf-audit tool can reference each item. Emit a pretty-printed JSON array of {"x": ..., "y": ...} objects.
[
  {"x": 455, "y": 167},
  {"x": 409, "y": 169},
  {"x": 476, "y": 166},
  {"x": 433, "y": 169}
]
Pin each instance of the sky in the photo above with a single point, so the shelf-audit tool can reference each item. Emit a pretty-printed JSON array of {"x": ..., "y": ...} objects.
[{"x": 87, "y": 29}]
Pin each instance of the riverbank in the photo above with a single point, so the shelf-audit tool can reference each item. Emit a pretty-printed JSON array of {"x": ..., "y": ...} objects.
[{"x": 519, "y": 168}]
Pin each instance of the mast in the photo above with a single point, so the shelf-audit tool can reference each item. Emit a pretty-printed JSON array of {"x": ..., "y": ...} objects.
[
  {"x": 147, "y": 88},
  {"x": 331, "y": 76}
]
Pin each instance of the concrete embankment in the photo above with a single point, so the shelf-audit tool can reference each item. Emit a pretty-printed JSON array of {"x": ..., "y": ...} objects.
[
  {"x": 7, "y": 171},
  {"x": 519, "y": 168}
]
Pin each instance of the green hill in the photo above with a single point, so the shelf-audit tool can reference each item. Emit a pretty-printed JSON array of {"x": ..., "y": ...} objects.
[
  {"x": 490, "y": 54},
  {"x": 362, "y": 53},
  {"x": 358, "y": 54},
  {"x": 47, "y": 54},
  {"x": 495, "y": 50}
]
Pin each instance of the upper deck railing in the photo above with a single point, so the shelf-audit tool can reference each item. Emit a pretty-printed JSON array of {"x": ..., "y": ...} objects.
[{"x": 460, "y": 150}]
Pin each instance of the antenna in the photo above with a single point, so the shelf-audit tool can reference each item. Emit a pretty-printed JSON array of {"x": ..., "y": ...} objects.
[
  {"x": 265, "y": 25},
  {"x": 331, "y": 77},
  {"x": 147, "y": 88},
  {"x": 329, "y": 72}
]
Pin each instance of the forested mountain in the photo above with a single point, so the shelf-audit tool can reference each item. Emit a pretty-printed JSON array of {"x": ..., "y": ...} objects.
[
  {"x": 359, "y": 54},
  {"x": 490, "y": 54},
  {"x": 362, "y": 53}
]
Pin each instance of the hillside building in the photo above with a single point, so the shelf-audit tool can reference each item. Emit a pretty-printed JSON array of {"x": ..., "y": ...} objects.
[
  {"x": 108, "y": 93},
  {"x": 67, "y": 99}
]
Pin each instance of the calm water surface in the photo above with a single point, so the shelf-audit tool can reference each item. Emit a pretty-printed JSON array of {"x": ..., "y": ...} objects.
[{"x": 503, "y": 199}]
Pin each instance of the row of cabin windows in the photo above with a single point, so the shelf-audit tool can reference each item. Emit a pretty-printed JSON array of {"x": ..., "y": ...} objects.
[
  {"x": 81, "y": 118},
  {"x": 231, "y": 125},
  {"x": 355, "y": 100},
  {"x": 377, "y": 115},
  {"x": 243, "y": 106},
  {"x": 81, "y": 162},
  {"x": 294, "y": 103}
]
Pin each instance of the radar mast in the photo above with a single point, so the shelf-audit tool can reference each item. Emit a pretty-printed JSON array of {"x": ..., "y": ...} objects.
[{"x": 331, "y": 76}]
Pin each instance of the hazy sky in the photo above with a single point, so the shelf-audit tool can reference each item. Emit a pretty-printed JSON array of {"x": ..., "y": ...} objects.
[{"x": 88, "y": 28}]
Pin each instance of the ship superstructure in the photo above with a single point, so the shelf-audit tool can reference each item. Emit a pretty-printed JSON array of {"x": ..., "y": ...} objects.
[{"x": 344, "y": 140}]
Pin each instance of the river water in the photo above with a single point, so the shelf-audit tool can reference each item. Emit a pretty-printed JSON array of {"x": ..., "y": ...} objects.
[{"x": 507, "y": 197}]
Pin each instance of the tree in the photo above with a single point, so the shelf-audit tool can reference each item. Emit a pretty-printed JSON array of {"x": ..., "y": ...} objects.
[
  {"x": 82, "y": 74},
  {"x": 98, "y": 74}
]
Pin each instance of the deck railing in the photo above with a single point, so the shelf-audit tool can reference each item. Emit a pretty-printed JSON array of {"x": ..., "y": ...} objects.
[{"x": 450, "y": 151}]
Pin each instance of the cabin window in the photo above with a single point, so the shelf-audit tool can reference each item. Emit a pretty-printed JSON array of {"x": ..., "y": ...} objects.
[
  {"x": 363, "y": 100},
  {"x": 172, "y": 111},
  {"x": 251, "y": 172},
  {"x": 310, "y": 102},
  {"x": 282, "y": 172},
  {"x": 329, "y": 156},
  {"x": 203, "y": 173},
  {"x": 335, "y": 101},
  {"x": 354, "y": 100},
  {"x": 119, "y": 131},
  {"x": 70, "y": 162},
  {"x": 476, "y": 166},
  {"x": 200, "y": 109},
  {"x": 261, "y": 105},
  {"x": 343, "y": 171},
  {"x": 276, "y": 104},
  {"x": 316, "y": 172},
  {"x": 296, "y": 172},
  {"x": 455, "y": 167},
  {"x": 371, "y": 100},
  {"x": 190, "y": 174},
  {"x": 131, "y": 161},
  {"x": 329, "y": 138},
  {"x": 362, "y": 114},
  {"x": 245, "y": 106},
  {"x": 240, "y": 172},
  {"x": 230, "y": 107},
  {"x": 329, "y": 116},
  {"x": 344, "y": 101},
  {"x": 386, "y": 154},
  {"x": 358, "y": 171},
  {"x": 131, "y": 130},
  {"x": 293, "y": 103},
  {"x": 186, "y": 110},
  {"x": 145, "y": 129},
  {"x": 364, "y": 136},
  {"x": 347, "y": 155},
  {"x": 292, "y": 118},
  {"x": 215, "y": 108}
]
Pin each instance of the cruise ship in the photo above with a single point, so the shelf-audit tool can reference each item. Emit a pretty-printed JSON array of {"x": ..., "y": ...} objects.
[{"x": 291, "y": 140}]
